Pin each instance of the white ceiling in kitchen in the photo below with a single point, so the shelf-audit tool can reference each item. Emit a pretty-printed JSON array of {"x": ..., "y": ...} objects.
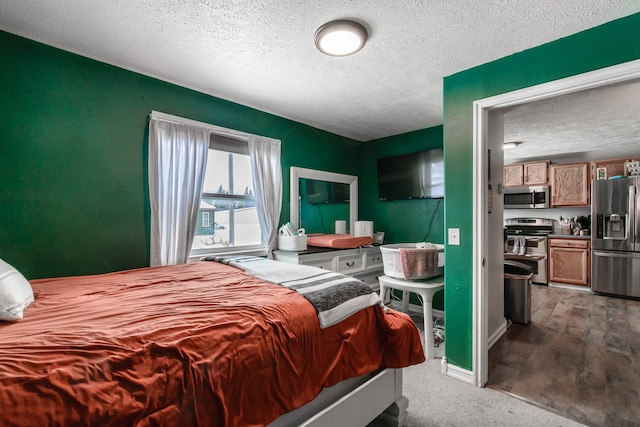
[{"x": 603, "y": 122}]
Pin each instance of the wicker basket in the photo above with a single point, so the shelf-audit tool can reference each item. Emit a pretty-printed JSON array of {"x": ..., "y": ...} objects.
[
  {"x": 393, "y": 266},
  {"x": 292, "y": 243}
]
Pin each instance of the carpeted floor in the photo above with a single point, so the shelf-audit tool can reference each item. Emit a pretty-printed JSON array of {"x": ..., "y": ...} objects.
[{"x": 439, "y": 400}]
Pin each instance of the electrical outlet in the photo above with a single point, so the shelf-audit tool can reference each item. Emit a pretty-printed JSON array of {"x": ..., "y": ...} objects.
[{"x": 454, "y": 236}]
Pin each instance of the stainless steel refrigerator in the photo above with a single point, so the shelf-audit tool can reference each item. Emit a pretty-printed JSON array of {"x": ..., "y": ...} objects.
[{"x": 615, "y": 236}]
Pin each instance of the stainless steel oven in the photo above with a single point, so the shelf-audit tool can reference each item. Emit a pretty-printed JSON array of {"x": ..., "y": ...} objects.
[{"x": 526, "y": 241}]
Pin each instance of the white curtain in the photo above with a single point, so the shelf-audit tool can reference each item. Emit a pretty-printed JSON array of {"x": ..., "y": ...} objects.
[
  {"x": 177, "y": 164},
  {"x": 267, "y": 182}
]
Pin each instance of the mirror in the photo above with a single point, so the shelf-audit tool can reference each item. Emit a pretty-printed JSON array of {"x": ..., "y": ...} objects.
[{"x": 302, "y": 175}]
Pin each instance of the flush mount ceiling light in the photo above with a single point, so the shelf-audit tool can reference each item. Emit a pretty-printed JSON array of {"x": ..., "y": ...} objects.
[
  {"x": 511, "y": 144},
  {"x": 340, "y": 38}
]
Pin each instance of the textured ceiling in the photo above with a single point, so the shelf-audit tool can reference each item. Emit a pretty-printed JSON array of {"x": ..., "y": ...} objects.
[
  {"x": 261, "y": 53},
  {"x": 597, "y": 123}
]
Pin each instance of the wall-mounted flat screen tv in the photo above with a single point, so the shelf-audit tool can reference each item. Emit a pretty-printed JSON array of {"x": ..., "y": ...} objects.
[{"x": 412, "y": 176}]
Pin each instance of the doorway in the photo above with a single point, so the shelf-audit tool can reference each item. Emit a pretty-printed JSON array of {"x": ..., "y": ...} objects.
[{"x": 487, "y": 156}]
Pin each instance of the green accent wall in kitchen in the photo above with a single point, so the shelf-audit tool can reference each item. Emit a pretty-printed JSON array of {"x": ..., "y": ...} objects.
[
  {"x": 403, "y": 221},
  {"x": 73, "y": 156},
  {"x": 609, "y": 44}
]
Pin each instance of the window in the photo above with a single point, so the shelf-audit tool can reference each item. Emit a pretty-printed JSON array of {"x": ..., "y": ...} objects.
[
  {"x": 228, "y": 202},
  {"x": 205, "y": 219}
]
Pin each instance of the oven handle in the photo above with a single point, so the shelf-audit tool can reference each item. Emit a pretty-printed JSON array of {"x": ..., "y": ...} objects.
[{"x": 535, "y": 238}]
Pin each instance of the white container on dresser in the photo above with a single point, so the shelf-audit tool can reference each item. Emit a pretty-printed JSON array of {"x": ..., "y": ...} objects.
[{"x": 362, "y": 263}]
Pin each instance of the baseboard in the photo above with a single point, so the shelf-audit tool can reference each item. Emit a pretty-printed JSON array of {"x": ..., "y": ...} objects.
[
  {"x": 502, "y": 329},
  {"x": 446, "y": 368},
  {"x": 456, "y": 372},
  {"x": 568, "y": 286}
]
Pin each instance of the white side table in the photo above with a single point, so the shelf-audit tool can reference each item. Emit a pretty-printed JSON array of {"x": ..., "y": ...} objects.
[{"x": 424, "y": 288}]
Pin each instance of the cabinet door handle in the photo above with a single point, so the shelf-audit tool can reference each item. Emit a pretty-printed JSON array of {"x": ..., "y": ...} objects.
[{"x": 350, "y": 263}]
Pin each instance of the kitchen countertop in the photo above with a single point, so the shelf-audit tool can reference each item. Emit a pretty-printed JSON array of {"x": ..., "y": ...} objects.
[{"x": 569, "y": 236}]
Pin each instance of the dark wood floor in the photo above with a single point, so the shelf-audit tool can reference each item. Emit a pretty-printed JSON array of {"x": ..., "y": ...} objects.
[{"x": 579, "y": 357}]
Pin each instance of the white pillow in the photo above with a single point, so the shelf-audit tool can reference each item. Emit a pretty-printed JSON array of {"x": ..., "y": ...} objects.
[{"x": 15, "y": 293}]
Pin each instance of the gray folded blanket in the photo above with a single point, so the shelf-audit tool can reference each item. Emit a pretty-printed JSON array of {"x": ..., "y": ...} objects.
[{"x": 335, "y": 296}]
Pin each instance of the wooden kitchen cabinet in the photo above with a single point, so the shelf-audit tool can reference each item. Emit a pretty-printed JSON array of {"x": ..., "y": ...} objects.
[
  {"x": 569, "y": 261},
  {"x": 613, "y": 167},
  {"x": 570, "y": 184},
  {"x": 513, "y": 175},
  {"x": 536, "y": 173},
  {"x": 533, "y": 173}
]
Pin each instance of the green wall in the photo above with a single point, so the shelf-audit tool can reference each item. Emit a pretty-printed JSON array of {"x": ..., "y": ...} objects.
[
  {"x": 613, "y": 43},
  {"x": 73, "y": 157},
  {"x": 402, "y": 220}
]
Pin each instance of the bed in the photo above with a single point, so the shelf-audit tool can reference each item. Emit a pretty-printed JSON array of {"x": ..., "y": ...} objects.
[{"x": 199, "y": 344}]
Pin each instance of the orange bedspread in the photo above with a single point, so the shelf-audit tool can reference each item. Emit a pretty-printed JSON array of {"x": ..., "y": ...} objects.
[{"x": 193, "y": 345}]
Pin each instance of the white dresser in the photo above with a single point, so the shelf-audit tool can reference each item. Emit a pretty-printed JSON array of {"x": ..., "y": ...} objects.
[{"x": 363, "y": 263}]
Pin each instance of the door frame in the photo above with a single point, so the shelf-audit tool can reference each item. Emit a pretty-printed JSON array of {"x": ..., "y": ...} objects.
[{"x": 481, "y": 126}]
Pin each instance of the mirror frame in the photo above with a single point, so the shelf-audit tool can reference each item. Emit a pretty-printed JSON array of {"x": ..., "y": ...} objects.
[{"x": 294, "y": 196}]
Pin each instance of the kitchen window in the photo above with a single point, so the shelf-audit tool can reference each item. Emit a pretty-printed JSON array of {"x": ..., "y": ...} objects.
[{"x": 227, "y": 201}]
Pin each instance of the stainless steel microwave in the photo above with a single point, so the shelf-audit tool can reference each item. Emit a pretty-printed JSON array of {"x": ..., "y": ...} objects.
[{"x": 535, "y": 197}]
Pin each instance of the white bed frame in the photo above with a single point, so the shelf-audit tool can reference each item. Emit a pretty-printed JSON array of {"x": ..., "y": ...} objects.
[{"x": 355, "y": 402}]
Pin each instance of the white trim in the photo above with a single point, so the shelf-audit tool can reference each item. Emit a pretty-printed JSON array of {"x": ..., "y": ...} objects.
[
  {"x": 297, "y": 173},
  {"x": 497, "y": 334},
  {"x": 479, "y": 289},
  {"x": 605, "y": 76},
  {"x": 592, "y": 79},
  {"x": 219, "y": 130},
  {"x": 456, "y": 372}
]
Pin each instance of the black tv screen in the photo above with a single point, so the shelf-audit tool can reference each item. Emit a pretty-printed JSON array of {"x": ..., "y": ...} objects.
[
  {"x": 320, "y": 192},
  {"x": 412, "y": 176}
]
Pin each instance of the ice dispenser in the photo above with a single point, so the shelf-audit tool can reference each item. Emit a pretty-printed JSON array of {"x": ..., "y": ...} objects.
[{"x": 611, "y": 226}]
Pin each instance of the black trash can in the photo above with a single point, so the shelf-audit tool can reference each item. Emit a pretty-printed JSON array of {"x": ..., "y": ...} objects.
[{"x": 517, "y": 291}]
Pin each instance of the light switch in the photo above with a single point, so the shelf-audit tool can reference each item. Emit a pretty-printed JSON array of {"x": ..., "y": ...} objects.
[{"x": 454, "y": 236}]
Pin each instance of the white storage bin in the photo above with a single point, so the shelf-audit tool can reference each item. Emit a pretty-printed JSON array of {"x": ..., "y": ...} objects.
[
  {"x": 633, "y": 168},
  {"x": 292, "y": 243},
  {"x": 393, "y": 266}
]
